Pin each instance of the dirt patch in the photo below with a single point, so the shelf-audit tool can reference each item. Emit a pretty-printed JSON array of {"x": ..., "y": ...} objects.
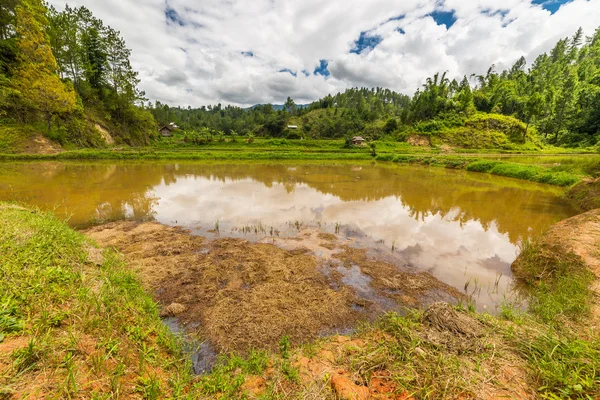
[
  {"x": 242, "y": 295},
  {"x": 104, "y": 134},
  {"x": 419, "y": 140},
  {"x": 41, "y": 145},
  {"x": 585, "y": 195},
  {"x": 446, "y": 148},
  {"x": 7, "y": 347}
]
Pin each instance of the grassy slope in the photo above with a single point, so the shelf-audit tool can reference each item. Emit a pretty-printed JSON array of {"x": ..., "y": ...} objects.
[
  {"x": 74, "y": 321},
  {"x": 13, "y": 138},
  {"x": 77, "y": 324},
  {"x": 488, "y": 131}
]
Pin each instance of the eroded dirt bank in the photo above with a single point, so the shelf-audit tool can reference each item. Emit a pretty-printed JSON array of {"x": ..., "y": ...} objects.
[
  {"x": 241, "y": 295},
  {"x": 573, "y": 243}
]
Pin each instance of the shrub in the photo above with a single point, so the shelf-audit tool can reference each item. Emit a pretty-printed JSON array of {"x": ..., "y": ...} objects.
[{"x": 482, "y": 166}]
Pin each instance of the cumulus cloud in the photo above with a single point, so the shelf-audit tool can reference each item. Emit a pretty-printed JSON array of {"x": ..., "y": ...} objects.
[{"x": 246, "y": 52}]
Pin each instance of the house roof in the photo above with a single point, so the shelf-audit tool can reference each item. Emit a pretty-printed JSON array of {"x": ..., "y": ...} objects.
[
  {"x": 358, "y": 138},
  {"x": 170, "y": 128}
]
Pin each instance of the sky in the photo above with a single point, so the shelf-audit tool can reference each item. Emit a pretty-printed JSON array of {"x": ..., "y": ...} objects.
[{"x": 246, "y": 52}]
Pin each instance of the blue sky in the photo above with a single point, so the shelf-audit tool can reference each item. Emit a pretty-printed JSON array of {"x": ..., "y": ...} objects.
[{"x": 243, "y": 52}]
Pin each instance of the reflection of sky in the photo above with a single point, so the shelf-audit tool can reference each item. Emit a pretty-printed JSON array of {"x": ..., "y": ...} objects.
[{"x": 452, "y": 251}]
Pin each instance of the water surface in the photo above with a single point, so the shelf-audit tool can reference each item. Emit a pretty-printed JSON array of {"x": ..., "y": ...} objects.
[{"x": 462, "y": 227}]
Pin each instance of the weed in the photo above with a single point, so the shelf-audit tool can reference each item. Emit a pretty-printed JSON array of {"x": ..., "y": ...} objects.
[
  {"x": 284, "y": 347},
  {"x": 150, "y": 388},
  {"x": 27, "y": 357}
]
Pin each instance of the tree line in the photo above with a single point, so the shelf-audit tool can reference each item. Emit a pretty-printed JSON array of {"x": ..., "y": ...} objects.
[
  {"x": 558, "y": 96},
  {"x": 68, "y": 70}
]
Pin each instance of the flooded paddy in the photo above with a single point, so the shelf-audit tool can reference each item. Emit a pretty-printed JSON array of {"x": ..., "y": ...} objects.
[{"x": 271, "y": 249}]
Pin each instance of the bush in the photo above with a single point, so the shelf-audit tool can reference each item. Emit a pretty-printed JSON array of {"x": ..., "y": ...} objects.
[{"x": 482, "y": 166}]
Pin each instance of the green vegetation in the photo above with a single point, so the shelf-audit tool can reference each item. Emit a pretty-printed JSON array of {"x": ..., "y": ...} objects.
[
  {"x": 68, "y": 76},
  {"x": 586, "y": 195},
  {"x": 560, "y": 281},
  {"x": 554, "y": 102},
  {"x": 527, "y": 172},
  {"x": 82, "y": 319},
  {"x": 512, "y": 170},
  {"x": 74, "y": 322}
]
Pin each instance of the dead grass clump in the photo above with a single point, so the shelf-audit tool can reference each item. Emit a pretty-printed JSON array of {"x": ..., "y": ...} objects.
[
  {"x": 153, "y": 250},
  {"x": 330, "y": 237},
  {"x": 254, "y": 294},
  {"x": 444, "y": 317},
  {"x": 243, "y": 295}
]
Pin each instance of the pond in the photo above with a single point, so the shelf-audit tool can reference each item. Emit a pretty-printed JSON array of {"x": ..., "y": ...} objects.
[{"x": 463, "y": 228}]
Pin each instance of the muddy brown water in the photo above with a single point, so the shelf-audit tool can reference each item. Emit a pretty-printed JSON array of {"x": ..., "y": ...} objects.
[{"x": 463, "y": 228}]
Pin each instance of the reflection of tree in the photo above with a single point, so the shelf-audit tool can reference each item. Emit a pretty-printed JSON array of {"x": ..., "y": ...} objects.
[
  {"x": 85, "y": 191},
  {"x": 106, "y": 191},
  {"x": 514, "y": 206}
]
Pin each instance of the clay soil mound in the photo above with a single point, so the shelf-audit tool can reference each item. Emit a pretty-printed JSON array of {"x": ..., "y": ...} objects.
[{"x": 41, "y": 145}]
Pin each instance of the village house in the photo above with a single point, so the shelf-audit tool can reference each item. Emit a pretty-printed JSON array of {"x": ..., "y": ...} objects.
[
  {"x": 358, "y": 140},
  {"x": 167, "y": 130}
]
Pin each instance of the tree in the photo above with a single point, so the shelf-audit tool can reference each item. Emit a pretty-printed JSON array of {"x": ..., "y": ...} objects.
[
  {"x": 7, "y": 14},
  {"x": 290, "y": 106},
  {"x": 533, "y": 109},
  {"x": 465, "y": 95},
  {"x": 36, "y": 76},
  {"x": 390, "y": 126},
  {"x": 95, "y": 59}
]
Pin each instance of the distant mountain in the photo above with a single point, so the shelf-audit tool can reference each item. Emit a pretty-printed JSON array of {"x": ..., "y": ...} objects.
[{"x": 277, "y": 107}]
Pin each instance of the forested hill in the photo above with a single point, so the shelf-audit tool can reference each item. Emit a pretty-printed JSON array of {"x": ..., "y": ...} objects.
[
  {"x": 555, "y": 100},
  {"x": 68, "y": 75}
]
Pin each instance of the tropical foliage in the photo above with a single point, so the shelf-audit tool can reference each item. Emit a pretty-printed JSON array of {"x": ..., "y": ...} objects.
[
  {"x": 70, "y": 71},
  {"x": 66, "y": 73},
  {"x": 555, "y": 100}
]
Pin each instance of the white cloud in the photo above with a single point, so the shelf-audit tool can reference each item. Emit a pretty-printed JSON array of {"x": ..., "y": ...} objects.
[{"x": 199, "y": 61}]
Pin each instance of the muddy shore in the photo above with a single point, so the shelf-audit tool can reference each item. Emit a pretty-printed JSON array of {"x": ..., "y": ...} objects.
[{"x": 239, "y": 295}]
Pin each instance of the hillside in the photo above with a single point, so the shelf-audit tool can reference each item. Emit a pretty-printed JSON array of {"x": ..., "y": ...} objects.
[
  {"x": 553, "y": 102},
  {"x": 66, "y": 81}
]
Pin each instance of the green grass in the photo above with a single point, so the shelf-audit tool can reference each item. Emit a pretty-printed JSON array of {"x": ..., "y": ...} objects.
[
  {"x": 74, "y": 315},
  {"x": 512, "y": 170},
  {"x": 87, "y": 329},
  {"x": 559, "y": 283},
  {"x": 526, "y": 172}
]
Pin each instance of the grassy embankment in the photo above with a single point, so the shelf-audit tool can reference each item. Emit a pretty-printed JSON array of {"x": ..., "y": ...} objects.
[
  {"x": 74, "y": 322},
  {"x": 458, "y": 142},
  {"x": 331, "y": 150}
]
